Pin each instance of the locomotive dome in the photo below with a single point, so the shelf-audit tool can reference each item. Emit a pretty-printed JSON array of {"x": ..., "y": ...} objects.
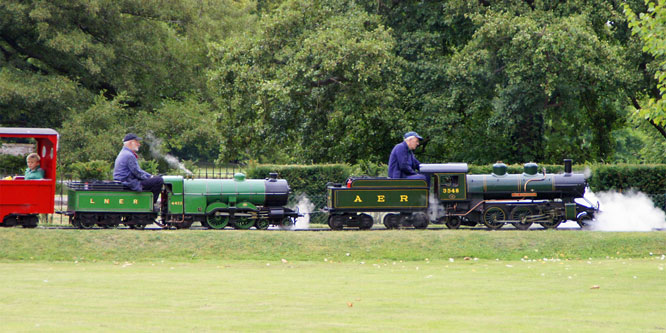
[
  {"x": 531, "y": 168},
  {"x": 499, "y": 169}
]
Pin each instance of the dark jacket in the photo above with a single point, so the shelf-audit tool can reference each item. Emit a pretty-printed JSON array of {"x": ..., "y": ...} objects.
[
  {"x": 128, "y": 171},
  {"x": 402, "y": 162}
]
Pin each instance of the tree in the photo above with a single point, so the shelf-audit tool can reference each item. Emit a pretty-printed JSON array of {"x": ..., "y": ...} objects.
[
  {"x": 96, "y": 133},
  {"x": 56, "y": 57},
  {"x": 651, "y": 28},
  {"x": 514, "y": 80},
  {"x": 315, "y": 82}
]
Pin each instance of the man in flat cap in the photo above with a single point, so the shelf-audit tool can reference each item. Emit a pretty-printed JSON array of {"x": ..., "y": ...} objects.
[
  {"x": 128, "y": 171},
  {"x": 402, "y": 163}
]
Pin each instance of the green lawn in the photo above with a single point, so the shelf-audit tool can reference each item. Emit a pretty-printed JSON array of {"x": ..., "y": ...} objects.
[
  {"x": 349, "y": 281},
  {"x": 358, "y": 296}
]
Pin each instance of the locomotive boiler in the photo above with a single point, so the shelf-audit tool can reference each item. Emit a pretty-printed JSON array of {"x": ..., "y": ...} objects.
[{"x": 217, "y": 203}]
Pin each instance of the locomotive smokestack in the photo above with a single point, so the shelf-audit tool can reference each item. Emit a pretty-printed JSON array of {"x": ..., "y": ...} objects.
[{"x": 567, "y": 165}]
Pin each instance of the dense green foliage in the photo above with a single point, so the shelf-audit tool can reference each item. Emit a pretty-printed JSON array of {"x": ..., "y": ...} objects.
[
  {"x": 296, "y": 81},
  {"x": 648, "y": 179},
  {"x": 651, "y": 27},
  {"x": 306, "y": 181},
  {"x": 92, "y": 170},
  {"x": 11, "y": 165}
]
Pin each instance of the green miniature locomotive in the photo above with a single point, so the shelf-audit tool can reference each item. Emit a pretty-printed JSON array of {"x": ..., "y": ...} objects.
[{"x": 216, "y": 203}]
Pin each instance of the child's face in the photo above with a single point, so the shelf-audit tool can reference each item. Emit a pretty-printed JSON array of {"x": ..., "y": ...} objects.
[{"x": 33, "y": 164}]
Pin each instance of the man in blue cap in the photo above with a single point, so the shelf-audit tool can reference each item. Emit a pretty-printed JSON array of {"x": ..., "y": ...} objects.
[
  {"x": 402, "y": 163},
  {"x": 128, "y": 171}
]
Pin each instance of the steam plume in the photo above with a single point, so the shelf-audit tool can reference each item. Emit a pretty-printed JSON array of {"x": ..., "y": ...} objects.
[
  {"x": 156, "y": 152},
  {"x": 630, "y": 211},
  {"x": 305, "y": 207}
]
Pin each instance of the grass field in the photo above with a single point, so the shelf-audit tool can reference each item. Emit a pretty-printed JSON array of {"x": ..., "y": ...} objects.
[{"x": 125, "y": 280}]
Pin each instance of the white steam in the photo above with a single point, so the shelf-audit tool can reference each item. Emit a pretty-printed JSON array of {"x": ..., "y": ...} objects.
[
  {"x": 305, "y": 207},
  {"x": 436, "y": 209},
  {"x": 630, "y": 211},
  {"x": 156, "y": 152}
]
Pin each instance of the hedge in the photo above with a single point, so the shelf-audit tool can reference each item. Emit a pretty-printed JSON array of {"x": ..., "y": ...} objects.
[
  {"x": 309, "y": 180},
  {"x": 649, "y": 179}
]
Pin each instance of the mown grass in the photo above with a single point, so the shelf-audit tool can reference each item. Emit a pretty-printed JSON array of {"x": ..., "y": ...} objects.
[
  {"x": 302, "y": 281},
  {"x": 608, "y": 295},
  {"x": 407, "y": 245}
]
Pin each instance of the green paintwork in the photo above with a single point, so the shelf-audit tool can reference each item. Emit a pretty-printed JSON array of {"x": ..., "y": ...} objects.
[
  {"x": 386, "y": 182},
  {"x": 378, "y": 198},
  {"x": 451, "y": 186},
  {"x": 176, "y": 183},
  {"x": 109, "y": 201},
  {"x": 195, "y": 203},
  {"x": 216, "y": 205},
  {"x": 570, "y": 211},
  {"x": 200, "y": 196}
]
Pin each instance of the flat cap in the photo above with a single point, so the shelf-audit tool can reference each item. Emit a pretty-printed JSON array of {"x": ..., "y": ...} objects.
[
  {"x": 408, "y": 134},
  {"x": 131, "y": 136}
]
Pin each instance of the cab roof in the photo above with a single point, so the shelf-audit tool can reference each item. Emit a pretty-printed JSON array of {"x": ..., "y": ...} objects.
[
  {"x": 444, "y": 168},
  {"x": 27, "y": 131}
]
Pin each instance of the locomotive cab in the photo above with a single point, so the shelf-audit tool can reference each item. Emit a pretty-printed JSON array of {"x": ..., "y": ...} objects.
[{"x": 450, "y": 180}]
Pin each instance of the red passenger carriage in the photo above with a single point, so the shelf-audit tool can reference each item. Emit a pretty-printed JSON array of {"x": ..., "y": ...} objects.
[{"x": 21, "y": 200}]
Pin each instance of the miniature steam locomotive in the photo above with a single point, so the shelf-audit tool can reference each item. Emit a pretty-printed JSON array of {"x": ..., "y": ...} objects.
[
  {"x": 216, "y": 203},
  {"x": 459, "y": 199}
]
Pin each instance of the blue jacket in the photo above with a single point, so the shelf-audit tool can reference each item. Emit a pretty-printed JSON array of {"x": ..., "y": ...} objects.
[
  {"x": 402, "y": 162},
  {"x": 128, "y": 171}
]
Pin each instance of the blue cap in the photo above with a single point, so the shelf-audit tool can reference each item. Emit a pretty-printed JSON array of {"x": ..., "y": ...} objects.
[
  {"x": 408, "y": 134},
  {"x": 131, "y": 136}
]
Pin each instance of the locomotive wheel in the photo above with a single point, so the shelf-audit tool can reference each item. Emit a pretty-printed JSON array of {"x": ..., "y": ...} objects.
[
  {"x": 87, "y": 221},
  {"x": 584, "y": 222},
  {"x": 243, "y": 223},
  {"x": 555, "y": 222},
  {"x": 262, "y": 224},
  {"x": 451, "y": 222},
  {"x": 10, "y": 221},
  {"x": 493, "y": 214},
  {"x": 86, "y": 225},
  {"x": 404, "y": 220},
  {"x": 519, "y": 213},
  {"x": 420, "y": 220},
  {"x": 392, "y": 221},
  {"x": 137, "y": 226},
  {"x": 285, "y": 223},
  {"x": 75, "y": 221},
  {"x": 216, "y": 222},
  {"x": 366, "y": 221},
  {"x": 336, "y": 222},
  {"x": 30, "y": 221}
]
